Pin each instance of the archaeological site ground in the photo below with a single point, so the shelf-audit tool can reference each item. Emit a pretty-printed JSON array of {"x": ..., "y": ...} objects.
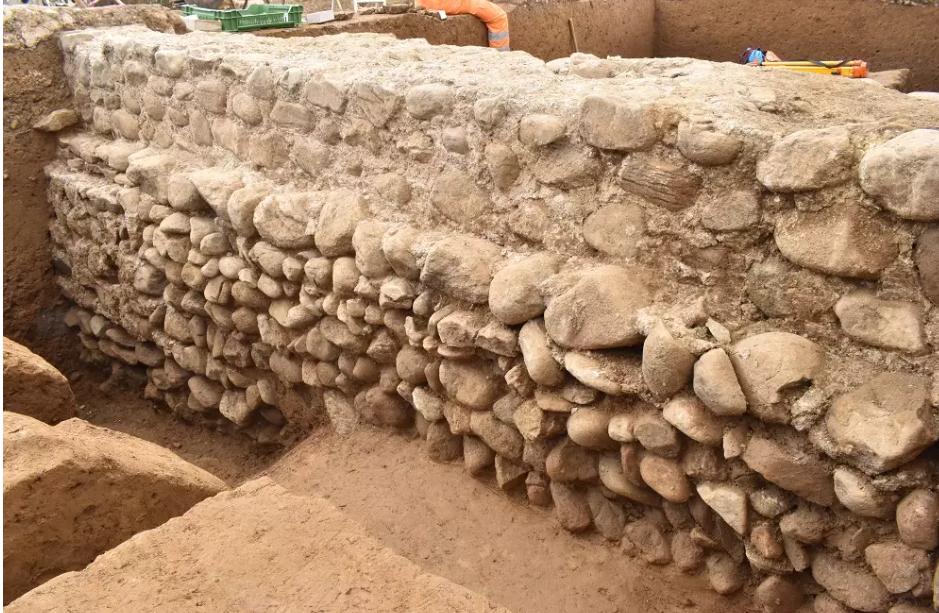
[{"x": 365, "y": 316}]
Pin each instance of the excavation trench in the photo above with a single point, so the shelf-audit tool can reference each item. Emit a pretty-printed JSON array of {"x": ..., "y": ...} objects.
[{"x": 428, "y": 262}]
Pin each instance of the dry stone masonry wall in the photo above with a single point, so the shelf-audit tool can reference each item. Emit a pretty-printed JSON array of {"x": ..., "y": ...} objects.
[{"x": 691, "y": 305}]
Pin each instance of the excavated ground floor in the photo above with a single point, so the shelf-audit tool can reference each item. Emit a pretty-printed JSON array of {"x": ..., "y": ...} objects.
[{"x": 501, "y": 547}]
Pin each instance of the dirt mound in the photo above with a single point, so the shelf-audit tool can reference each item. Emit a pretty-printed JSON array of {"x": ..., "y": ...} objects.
[
  {"x": 285, "y": 552},
  {"x": 32, "y": 386},
  {"x": 74, "y": 491}
]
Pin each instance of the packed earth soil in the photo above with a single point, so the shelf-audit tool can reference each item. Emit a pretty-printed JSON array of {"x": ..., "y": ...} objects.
[{"x": 285, "y": 552}]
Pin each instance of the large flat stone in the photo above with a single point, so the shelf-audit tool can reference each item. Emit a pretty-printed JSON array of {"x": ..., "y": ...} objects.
[
  {"x": 807, "y": 160},
  {"x": 889, "y": 324},
  {"x": 461, "y": 266},
  {"x": 598, "y": 311},
  {"x": 884, "y": 423},
  {"x": 284, "y": 553},
  {"x": 768, "y": 365},
  {"x": 844, "y": 240},
  {"x": 851, "y": 584},
  {"x": 926, "y": 256},
  {"x": 791, "y": 467},
  {"x": 903, "y": 175}
]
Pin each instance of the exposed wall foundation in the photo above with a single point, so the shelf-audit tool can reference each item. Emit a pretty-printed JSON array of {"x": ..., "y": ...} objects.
[{"x": 689, "y": 306}]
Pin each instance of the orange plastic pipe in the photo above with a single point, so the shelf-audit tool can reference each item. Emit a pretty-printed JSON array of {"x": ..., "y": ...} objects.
[{"x": 497, "y": 22}]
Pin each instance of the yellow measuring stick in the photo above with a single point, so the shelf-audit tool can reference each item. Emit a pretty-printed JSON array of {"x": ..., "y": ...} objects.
[{"x": 852, "y": 69}]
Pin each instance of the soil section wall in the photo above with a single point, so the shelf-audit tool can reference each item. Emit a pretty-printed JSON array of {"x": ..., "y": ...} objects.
[
  {"x": 603, "y": 27},
  {"x": 33, "y": 85},
  {"x": 460, "y": 30},
  {"x": 887, "y": 35}
]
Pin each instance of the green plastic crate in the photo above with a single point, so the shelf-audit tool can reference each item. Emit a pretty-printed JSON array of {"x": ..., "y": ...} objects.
[{"x": 254, "y": 17}]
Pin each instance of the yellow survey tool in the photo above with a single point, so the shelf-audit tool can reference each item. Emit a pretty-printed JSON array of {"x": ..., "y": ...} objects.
[
  {"x": 854, "y": 69},
  {"x": 767, "y": 59}
]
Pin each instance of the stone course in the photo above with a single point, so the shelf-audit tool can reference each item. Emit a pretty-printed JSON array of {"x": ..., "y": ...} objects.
[{"x": 708, "y": 330}]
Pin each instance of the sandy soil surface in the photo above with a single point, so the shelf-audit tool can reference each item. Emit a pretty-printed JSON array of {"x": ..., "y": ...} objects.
[{"x": 467, "y": 531}]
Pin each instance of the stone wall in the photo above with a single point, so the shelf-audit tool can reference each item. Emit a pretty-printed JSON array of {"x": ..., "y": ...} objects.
[{"x": 688, "y": 304}]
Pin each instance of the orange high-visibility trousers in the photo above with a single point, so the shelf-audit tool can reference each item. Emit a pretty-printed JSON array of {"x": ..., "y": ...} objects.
[{"x": 497, "y": 22}]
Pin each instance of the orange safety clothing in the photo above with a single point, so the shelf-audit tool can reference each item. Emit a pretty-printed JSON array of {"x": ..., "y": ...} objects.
[{"x": 497, "y": 22}]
